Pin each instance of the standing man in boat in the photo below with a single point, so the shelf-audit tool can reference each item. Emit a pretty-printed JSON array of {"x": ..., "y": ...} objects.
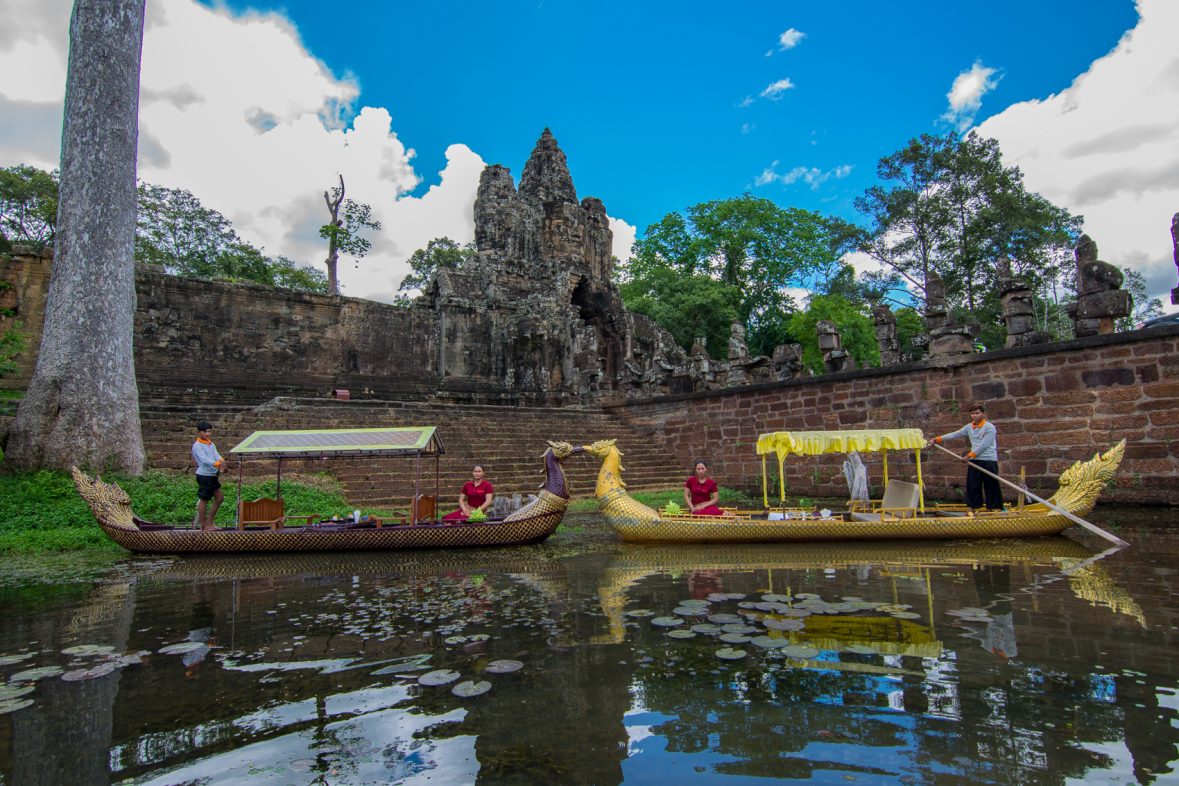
[
  {"x": 208, "y": 467},
  {"x": 984, "y": 453}
]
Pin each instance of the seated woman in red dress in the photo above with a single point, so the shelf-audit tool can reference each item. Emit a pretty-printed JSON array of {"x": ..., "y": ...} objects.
[
  {"x": 477, "y": 494},
  {"x": 700, "y": 493}
]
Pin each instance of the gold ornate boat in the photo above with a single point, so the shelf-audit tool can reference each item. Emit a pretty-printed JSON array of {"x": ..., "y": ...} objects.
[
  {"x": 530, "y": 524},
  {"x": 900, "y": 514}
]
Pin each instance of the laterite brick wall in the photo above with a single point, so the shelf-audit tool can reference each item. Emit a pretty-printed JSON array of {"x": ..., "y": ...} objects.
[{"x": 1052, "y": 404}]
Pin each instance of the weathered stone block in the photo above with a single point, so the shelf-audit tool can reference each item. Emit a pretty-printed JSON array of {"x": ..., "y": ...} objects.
[{"x": 1105, "y": 377}]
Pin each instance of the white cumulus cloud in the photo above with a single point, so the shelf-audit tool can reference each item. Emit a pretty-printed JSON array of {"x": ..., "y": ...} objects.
[
  {"x": 812, "y": 176},
  {"x": 1107, "y": 146},
  {"x": 774, "y": 90},
  {"x": 966, "y": 94},
  {"x": 788, "y": 40}
]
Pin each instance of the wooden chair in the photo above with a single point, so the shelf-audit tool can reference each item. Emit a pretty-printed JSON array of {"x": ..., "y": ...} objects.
[
  {"x": 265, "y": 511},
  {"x": 424, "y": 508}
]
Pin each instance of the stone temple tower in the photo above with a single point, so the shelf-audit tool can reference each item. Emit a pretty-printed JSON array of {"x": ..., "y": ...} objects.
[{"x": 536, "y": 309}]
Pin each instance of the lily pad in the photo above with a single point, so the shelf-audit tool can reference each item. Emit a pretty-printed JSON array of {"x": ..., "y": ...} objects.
[
  {"x": 800, "y": 651},
  {"x": 181, "y": 648},
  {"x": 729, "y": 653},
  {"x": 438, "y": 677},
  {"x": 790, "y": 624},
  {"x": 8, "y": 660},
  {"x": 733, "y": 638},
  {"x": 639, "y": 613},
  {"x": 88, "y": 649},
  {"x": 690, "y": 611},
  {"x": 769, "y": 642},
  {"x": 906, "y": 615},
  {"x": 667, "y": 622},
  {"x": 800, "y": 613},
  {"x": 10, "y": 692},
  {"x": 717, "y": 597},
  {"x": 694, "y": 602},
  {"x": 455, "y": 640},
  {"x": 681, "y": 634},
  {"x": 807, "y": 596},
  {"x": 737, "y": 627},
  {"x": 503, "y": 666},
  {"x": 471, "y": 688},
  {"x": 724, "y": 619},
  {"x": 773, "y": 597},
  {"x": 479, "y": 637},
  {"x": 32, "y": 675},
  {"x": 707, "y": 628},
  {"x": 12, "y": 705},
  {"x": 77, "y": 675}
]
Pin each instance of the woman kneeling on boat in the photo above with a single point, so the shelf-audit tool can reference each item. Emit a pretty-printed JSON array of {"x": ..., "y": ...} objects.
[
  {"x": 477, "y": 494},
  {"x": 701, "y": 493}
]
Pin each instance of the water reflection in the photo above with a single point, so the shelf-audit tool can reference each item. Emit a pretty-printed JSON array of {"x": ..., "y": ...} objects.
[{"x": 985, "y": 662}]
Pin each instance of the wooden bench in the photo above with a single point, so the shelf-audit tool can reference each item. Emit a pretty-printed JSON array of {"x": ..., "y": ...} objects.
[{"x": 266, "y": 512}]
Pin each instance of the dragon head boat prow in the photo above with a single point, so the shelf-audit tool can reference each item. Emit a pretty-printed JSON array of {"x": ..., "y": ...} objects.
[{"x": 109, "y": 503}]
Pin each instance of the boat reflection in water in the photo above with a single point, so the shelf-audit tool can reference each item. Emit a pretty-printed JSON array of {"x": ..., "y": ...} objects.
[{"x": 985, "y": 662}]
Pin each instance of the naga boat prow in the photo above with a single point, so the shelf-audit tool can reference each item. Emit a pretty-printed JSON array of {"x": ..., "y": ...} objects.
[
  {"x": 532, "y": 523},
  {"x": 1079, "y": 487}
]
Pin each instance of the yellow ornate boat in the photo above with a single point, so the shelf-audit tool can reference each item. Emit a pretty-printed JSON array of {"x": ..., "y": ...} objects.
[
  {"x": 530, "y": 524},
  {"x": 901, "y": 514}
]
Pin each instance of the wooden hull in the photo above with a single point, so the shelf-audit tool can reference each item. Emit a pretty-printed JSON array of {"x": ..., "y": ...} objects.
[
  {"x": 1080, "y": 485},
  {"x": 530, "y": 524},
  {"x": 726, "y": 529}
]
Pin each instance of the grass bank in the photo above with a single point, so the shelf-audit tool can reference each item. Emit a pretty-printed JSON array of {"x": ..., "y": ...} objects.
[{"x": 41, "y": 512}]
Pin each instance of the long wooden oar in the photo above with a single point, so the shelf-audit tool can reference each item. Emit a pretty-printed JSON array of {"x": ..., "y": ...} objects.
[{"x": 1076, "y": 519}]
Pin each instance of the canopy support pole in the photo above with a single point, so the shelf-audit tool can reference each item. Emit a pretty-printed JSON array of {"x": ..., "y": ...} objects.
[
  {"x": 920, "y": 482},
  {"x": 1112, "y": 538}
]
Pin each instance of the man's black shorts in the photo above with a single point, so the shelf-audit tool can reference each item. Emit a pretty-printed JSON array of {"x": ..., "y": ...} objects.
[{"x": 207, "y": 486}]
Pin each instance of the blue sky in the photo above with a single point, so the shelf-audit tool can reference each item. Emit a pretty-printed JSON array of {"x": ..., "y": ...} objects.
[
  {"x": 257, "y": 106},
  {"x": 645, "y": 98}
]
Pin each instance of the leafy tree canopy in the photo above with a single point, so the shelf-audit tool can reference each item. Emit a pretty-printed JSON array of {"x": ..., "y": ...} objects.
[
  {"x": 175, "y": 231},
  {"x": 687, "y": 306},
  {"x": 28, "y": 206},
  {"x": 441, "y": 253},
  {"x": 855, "y": 328},
  {"x": 746, "y": 243},
  {"x": 948, "y": 205}
]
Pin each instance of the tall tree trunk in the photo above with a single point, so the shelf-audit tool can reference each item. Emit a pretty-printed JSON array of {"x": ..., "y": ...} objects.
[
  {"x": 82, "y": 405},
  {"x": 334, "y": 200}
]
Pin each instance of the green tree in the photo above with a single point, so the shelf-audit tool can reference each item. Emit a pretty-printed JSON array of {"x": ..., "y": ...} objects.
[
  {"x": 28, "y": 206},
  {"x": 687, "y": 306},
  {"x": 1145, "y": 307},
  {"x": 175, "y": 231},
  {"x": 949, "y": 205},
  {"x": 856, "y": 329},
  {"x": 343, "y": 232},
  {"x": 910, "y": 325},
  {"x": 441, "y": 253},
  {"x": 749, "y": 244}
]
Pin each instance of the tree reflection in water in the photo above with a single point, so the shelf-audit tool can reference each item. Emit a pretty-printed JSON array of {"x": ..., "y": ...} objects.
[{"x": 1007, "y": 663}]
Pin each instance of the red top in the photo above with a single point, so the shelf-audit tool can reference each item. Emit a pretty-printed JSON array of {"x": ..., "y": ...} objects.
[
  {"x": 701, "y": 492},
  {"x": 476, "y": 494}
]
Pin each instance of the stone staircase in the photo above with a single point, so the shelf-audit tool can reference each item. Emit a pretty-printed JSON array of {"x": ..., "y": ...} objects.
[{"x": 508, "y": 441}]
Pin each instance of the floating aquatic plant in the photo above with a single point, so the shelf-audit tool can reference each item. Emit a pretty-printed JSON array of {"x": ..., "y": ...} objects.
[
  {"x": 88, "y": 649},
  {"x": 12, "y": 705},
  {"x": 729, "y": 653},
  {"x": 438, "y": 677},
  {"x": 503, "y": 666},
  {"x": 77, "y": 675},
  {"x": 471, "y": 688},
  {"x": 32, "y": 675},
  {"x": 667, "y": 622}
]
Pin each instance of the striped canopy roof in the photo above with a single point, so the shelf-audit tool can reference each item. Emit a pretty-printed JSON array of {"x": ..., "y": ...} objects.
[{"x": 401, "y": 441}]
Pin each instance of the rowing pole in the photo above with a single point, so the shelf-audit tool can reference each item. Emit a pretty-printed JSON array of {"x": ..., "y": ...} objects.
[{"x": 1072, "y": 517}]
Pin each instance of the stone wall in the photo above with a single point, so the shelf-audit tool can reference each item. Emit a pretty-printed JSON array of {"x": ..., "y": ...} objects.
[{"x": 1053, "y": 404}]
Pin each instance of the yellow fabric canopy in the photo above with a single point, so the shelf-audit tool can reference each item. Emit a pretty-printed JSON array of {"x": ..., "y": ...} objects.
[{"x": 814, "y": 443}]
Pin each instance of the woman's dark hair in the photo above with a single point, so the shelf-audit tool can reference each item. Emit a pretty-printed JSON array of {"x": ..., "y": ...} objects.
[
  {"x": 699, "y": 461},
  {"x": 480, "y": 466}
]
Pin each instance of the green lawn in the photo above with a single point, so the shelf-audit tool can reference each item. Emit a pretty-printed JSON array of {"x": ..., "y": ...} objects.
[{"x": 41, "y": 511}]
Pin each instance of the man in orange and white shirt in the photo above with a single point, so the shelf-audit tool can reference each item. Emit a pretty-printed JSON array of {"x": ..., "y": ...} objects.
[
  {"x": 209, "y": 463},
  {"x": 983, "y": 453}
]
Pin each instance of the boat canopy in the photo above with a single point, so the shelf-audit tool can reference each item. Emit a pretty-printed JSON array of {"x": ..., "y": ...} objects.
[
  {"x": 814, "y": 443},
  {"x": 316, "y": 443}
]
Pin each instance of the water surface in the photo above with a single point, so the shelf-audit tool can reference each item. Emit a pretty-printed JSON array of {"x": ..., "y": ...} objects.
[{"x": 1006, "y": 662}]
